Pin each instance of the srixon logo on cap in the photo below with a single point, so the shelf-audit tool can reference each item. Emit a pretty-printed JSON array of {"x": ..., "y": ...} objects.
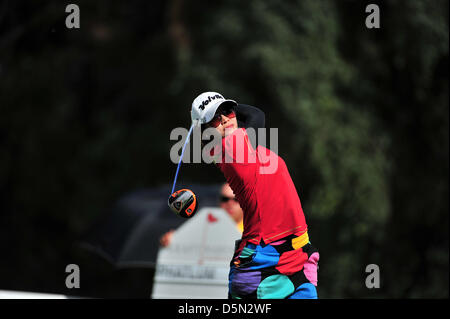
[{"x": 210, "y": 98}]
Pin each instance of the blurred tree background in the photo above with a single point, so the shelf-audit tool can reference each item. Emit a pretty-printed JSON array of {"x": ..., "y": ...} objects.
[{"x": 85, "y": 116}]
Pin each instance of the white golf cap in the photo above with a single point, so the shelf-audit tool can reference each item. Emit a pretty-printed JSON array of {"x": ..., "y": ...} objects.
[{"x": 205, "y": 106}]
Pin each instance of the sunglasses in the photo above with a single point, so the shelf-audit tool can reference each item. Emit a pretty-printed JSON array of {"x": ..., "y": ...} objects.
[
  {"x": 217, "y": 119},
  {"x": 225, "y": 199}
]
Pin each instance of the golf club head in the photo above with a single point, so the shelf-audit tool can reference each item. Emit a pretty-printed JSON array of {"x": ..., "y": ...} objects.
[{"x": 183, "y": 203}]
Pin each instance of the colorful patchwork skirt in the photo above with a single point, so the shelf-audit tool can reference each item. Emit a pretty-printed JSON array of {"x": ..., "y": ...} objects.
[{"x": 285, "y": 269}]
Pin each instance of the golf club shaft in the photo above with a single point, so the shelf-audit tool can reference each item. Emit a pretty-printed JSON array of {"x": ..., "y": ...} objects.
[{"x": 181, "y": 158}]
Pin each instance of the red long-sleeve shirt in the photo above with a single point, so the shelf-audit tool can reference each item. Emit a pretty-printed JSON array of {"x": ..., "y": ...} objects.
[{"x": 264, "y": 189}]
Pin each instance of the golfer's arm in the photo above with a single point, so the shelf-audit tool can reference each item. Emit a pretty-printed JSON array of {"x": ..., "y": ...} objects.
[{"x": 250, "y": 116}]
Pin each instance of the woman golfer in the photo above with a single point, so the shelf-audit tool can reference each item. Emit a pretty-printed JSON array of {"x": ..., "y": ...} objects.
[{"x": 274, "y": 258}]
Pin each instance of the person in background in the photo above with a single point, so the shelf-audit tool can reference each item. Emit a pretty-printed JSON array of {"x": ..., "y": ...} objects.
[{"x": 228, "y": 203}]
